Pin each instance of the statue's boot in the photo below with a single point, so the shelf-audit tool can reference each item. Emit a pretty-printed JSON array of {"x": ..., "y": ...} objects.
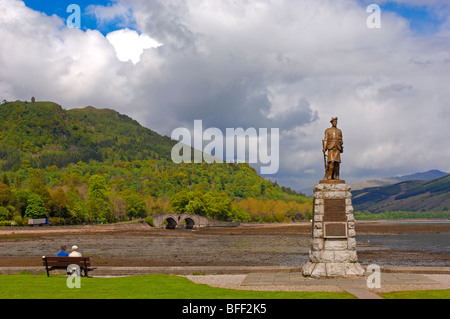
[{"x": 336, "y": 170}]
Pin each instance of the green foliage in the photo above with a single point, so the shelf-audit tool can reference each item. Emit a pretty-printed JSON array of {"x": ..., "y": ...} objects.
[
  {"x": 97, "y": 192},
  {"x": 5, "y": 194},
  {"x": 272, "y": 210},
  {"x": 98, "y": 166},
  {"x": 78, "y": 209},
  {"x": 5, "y": 214},
  {"x": 135, "y": 206},
  {"x": 60, "y": 202},
  {"x": 21, "y": 200},
  {"x": 41, "y": 134},
  {"x": 98, "y": 199},
  {"x": 19, "y": 221},
  {"x": 149, "y": 220},
  {"x": 56, "y": 221},
  {"x": 214, "y": 205},
  {"x": 35, "y": 208}
]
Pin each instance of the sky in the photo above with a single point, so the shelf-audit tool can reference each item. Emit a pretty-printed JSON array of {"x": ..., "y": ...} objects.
[{"x": 286, "y": 64}]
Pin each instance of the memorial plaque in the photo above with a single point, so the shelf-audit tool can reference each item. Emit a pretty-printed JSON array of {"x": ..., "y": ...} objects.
[
  {"x": 334, "y": 210},
  {"x": 335, "y": 230}
]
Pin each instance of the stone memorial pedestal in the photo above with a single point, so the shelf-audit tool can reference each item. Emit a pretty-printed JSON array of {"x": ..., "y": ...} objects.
[{"x": 333, "y": 246}]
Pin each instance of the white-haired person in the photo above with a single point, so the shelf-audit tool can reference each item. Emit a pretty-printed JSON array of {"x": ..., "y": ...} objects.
[{"x": 75, "y": 252}]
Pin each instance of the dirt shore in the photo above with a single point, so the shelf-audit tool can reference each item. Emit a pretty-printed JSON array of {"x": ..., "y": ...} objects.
[{"x": 246, "y": 245}]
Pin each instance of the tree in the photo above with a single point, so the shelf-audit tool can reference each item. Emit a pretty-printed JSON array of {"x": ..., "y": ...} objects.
[
  {"x": 218, "y": 206},
  {"x": 135, "y": 206},
  {"x": 179, "y": 201},
  {"x": 119, "y": 207},
  {"x": 20, "y": 200},
  {"x": 38, "y": 187},
  {"x": 196, "y": 206},
  {"x": 98, "y": 199},
  {"x": 35, "y": 208},
  {"x": 60, "y": 202},
  {"x": 5, "y": 214},
  {"x": 77, "y": 208},
  {"x": 5, "y": 194}
]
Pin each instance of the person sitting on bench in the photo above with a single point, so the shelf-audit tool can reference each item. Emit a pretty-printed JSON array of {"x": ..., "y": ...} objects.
[
  {"x": 74, "y": 252},
  {"x": 63, "y": 252}
]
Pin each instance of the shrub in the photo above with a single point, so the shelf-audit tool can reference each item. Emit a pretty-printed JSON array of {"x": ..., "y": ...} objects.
[
  {"x": 35, "y": 208},
  {"x": 56, "y": 221},
  {"x": 5, "y": 214},
  {"x": 18, "y": 220},
  {"x": 149, "y": 221}
]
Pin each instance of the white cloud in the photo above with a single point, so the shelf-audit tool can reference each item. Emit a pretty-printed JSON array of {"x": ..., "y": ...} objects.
[
  {"x": 258, "y": 63},
  {"x": 119, "y": 13},
  {"x": 129, "y": 45},
  {"x": 41, "y": 57}
]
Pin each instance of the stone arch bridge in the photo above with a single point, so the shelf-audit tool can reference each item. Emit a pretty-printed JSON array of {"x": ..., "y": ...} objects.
[{"x": 188, "y": 221}]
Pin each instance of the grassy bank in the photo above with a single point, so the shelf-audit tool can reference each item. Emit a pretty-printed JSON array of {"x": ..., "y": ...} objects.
[
  {"x": 28, "y": 286},
  {"x": 420, "y": 294},
  {"x": 136, "y": 287}
]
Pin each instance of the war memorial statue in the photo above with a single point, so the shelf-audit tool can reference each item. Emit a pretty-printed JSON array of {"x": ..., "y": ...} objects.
[
  {"x": 333, "y": 244},
  {"x": 334, "y": 144}
]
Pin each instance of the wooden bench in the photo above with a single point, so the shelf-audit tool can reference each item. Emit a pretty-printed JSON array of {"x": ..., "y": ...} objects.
[{"x": 51, "y": 263}]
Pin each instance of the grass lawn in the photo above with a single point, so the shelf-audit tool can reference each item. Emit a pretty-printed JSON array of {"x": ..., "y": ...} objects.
[
  {"x": 27, "y": 286},
  {"x": 419, "y": 294}
]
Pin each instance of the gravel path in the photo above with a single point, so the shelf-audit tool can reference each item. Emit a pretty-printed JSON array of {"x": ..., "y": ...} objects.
[
  {"x": 235, "y": 282},
  {"x": 399, "y": 282},
  {"x": 443, "y": 279},
  {"x": 221, "y": 281}
]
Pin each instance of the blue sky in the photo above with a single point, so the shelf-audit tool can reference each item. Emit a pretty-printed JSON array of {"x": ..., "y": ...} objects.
[
  {"x": 422, "y": 19},
  {"x": 88, "y": 20}
]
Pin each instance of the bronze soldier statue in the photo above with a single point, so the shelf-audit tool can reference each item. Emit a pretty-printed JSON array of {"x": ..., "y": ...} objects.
[{"x": 332, "y": 143}]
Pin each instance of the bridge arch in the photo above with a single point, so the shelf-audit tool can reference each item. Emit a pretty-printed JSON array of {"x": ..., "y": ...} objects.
[
  {"x": 170, "y": 223},
  {"x": 187, "y": 221}
]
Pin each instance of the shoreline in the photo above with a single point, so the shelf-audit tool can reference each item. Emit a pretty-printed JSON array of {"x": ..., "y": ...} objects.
[
  {"x": 420, "y": 223},
  {"x": 249, "y": 245}
]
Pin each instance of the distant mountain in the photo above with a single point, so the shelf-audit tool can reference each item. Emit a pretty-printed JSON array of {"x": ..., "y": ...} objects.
[
  {"x": 432, "y": 174},
  {"x": 411, "y": 195},
  {"x": 308, "y": 191}
]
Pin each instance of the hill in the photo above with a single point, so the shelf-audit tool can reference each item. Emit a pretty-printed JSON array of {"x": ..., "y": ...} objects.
[
  {"x": 45, "y": 134},
  {"x": 414, "y": 196},
  {"x": 394, "y": 180},
  {"x": 96, "y": 165}
]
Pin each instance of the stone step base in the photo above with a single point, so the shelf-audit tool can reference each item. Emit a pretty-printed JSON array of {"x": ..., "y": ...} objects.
[
  {"x": 333, "y": 256},
  {"x": 330, "y": 270}
]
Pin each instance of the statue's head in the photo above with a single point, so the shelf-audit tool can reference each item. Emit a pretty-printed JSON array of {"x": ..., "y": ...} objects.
[{"x": 334, "y": 121}]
